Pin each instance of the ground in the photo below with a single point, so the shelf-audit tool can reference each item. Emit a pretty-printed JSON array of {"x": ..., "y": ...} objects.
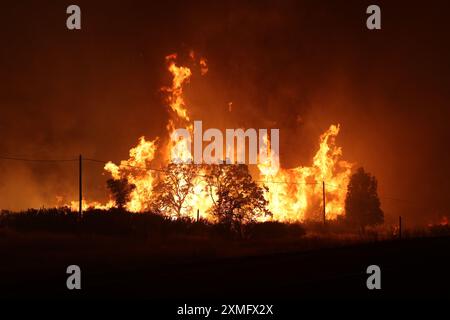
[{"x": 34, "y": 266}]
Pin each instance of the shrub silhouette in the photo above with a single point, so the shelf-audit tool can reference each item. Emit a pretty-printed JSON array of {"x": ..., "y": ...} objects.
[
  {"x": 273, "y": 230},
  {"x": 121, "y": 190},
  {"x": 119, "y": 222}
]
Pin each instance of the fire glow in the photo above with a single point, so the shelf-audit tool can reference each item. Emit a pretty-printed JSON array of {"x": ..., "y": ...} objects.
[
  {"x": 258, "y": 146},
  {"x": 293, "y": 194}
]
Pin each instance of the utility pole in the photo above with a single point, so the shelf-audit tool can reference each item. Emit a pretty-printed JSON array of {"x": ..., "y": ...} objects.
[
  {"x": 399, "y": 227},
  {"x": 80, "y": 185},
  {"x": 198, "y": 215},
  {"x": 323, "y": 199}
]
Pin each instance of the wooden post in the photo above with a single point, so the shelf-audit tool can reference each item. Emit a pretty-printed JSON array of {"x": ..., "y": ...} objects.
[
  {"x": 80, "y": 211},
  {"x": 324, "y": 202},
  {"x": 198, "y": 215},
  {"x": 399, "y": 227}
]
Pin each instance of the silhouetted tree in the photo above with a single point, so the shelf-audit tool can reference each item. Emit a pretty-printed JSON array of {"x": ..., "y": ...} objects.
[
  {"x": 172, "y": 190},
  {"x": 235, "y": 195},
  {"x": 362, "y": 205},
  {"x": 121, "y": 190}
]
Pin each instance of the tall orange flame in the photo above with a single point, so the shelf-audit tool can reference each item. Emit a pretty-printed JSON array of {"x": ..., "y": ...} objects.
[
  {"x": 293, "y": 195},
  {"x": 296, "y": 194}
]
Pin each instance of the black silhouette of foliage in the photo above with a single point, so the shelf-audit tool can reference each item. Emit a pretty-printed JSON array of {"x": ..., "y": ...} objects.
[
  {"x": 121, "y": 190},
  {"x": 173, "y": 188},
  {"x": 236, "y": 197},
  {"x": 362, "y": 205},
  {"x": 117, "y": 222}
]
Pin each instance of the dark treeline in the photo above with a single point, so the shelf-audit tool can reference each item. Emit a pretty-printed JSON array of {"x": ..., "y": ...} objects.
[{"x": 119, "y": 222}]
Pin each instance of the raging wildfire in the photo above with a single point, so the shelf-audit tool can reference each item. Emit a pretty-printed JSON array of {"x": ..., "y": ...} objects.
[
  {"x": 264, "y": 192},
  {"x": 159, "y": 222},
  {"x": 167, "y": 222},
  {"x": 150, "y": 192}
]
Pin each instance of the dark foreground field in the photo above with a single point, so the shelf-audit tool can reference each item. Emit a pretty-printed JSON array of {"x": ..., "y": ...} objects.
[{"x": 34, "y": 266}]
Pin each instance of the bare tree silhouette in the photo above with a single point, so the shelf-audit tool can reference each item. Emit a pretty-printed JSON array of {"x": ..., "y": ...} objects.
[{"x": 236, "y": 197}]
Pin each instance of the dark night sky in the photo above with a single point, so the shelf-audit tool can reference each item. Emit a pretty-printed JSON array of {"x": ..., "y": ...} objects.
[{"x": 95, "y": 91}]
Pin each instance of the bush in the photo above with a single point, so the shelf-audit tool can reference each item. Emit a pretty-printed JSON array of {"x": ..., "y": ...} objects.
[
  {"x": 113, "y": 222},
  {"x": 439, "y": 230},
  {"x": 53, "y": 220},
  {"x": 273, "y": 229}
]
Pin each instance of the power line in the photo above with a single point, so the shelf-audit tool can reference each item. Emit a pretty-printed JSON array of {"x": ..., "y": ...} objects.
[
  {"x": 289, "y": 182},
  {"x": 126, "y": 165},
  {"x": 28, "y": 159},
  {"x": 37, "y": 160},
  {"x": 198, "y": 175}
]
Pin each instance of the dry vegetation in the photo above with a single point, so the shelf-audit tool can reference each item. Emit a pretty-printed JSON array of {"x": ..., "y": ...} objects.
[{"x": 116, "y": 230}]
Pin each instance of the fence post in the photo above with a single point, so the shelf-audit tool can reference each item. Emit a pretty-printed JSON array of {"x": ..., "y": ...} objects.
[{"x": 80, "y": 171}]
